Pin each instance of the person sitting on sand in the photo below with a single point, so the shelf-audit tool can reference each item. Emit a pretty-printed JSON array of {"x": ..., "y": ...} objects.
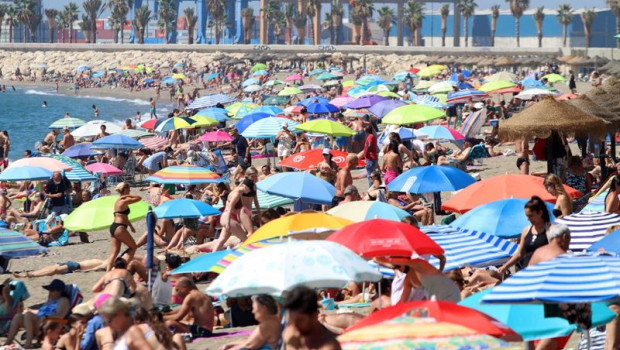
[
  {"x": 384, "y": 300},
  {"x": 269, "y": 330},
  {"x": 155, "y": 331},
  {"x": 196, "y": 306},
  {"x": 63, "y": 268},
  {"x": 5, "y": 203},
  {"x": 337, "y": 323},
  {"x": 71, "y": 339},
  {"x": 51, "y": 333},
  {"x": 128, "y": 336},
  {"x": 563, "y": 203}
]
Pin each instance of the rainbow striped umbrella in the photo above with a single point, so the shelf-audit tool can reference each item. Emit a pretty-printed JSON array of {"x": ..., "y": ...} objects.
[
  {"x": 188, "y": 175},
  {"x": 15, "y": 245},
  {"x": 235, "y": 254},
  {"x": 154, "y": 142}
]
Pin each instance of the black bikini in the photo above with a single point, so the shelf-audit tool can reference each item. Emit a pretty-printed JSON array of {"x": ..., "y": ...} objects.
[{"x": 116, "y": 225}]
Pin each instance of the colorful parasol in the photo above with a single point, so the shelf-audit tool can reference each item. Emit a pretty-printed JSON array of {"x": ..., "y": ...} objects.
[{"x": 188, "y": 175}]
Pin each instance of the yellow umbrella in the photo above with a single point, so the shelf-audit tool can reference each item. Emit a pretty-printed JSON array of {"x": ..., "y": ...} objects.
[
  {"x": 347, "y": 83},
  {"x": 425, "y": 84},
  {"x": 388, "y": 94},
  {"x": 178, "y": 76},
  {"x": 429, "y": 72},
  {"x": 289, "y": 91},
  {"x": 307, "y": 224},
  {"x": 437, "y": 66},
  {"x": 203, "y": 121}
]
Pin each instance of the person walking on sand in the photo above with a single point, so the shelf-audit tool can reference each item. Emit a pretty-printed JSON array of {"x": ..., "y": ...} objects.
[
  {"x": 118, "y": 229},
  {"x": 152, "y": 108}
]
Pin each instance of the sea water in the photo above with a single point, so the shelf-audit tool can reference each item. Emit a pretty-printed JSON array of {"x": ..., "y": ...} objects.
[{"x": 22, "y": 114}]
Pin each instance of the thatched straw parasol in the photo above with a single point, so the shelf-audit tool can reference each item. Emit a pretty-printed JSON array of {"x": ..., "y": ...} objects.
[
  {"x": 579, "y": 61},
  {"x": 598, "y": 61},
  {"x": 604, "y": 99},
  {"x": 548, "y": 115},
  {"x": 504, "y": 61},
  {"x": 566, "y": 58},
  {"x": 609, "y": 66},
  {"x": 587, "y": 105}
]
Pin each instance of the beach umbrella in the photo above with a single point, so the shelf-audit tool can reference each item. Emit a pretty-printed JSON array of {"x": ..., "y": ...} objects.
[
  {"x": 272, "y": 110},
  {"x": 289, "y": 91},
  {"x": 98, "y": 74},
  {"x": 385, "y": 238},
  {"x": 308, "y": 160},
  {"x": 252, "y": 88},
  {"x": 281, "y": 267},
  {"x": 260, "y": 73},
  {"x": 492, "y": 218},
  {"x": 298, "y": 186},
  {"x": 315, "y": 99},
  {"x": 168, "y": 80},
  {"x": 610, "y": 243},
  {"x": 219, "y": 114},
  {"x": 327, "y": 127},
  {"x": 429, "y": 72},
  {"x": 15, "y": 245},
  {"x": 366, "y": 101},
  {"x": 199, "y": 121},
  {"x": 259, "y": 66},
  {"x": 429, "y": 101},
  {"x": 355, "y": 91},
  {"x": 403, "y": 133},
  {"x": 442, "y": 87},
  {"x": 154, "y": 142},
  {"x": 273, "y": 82},
  {"x": 553, "y": 78},
  {"x": 307, "y": 225},
  {"x": 69, "y": 123},
  {"x": 501, "y": 187},
  {"x": 215, "y": 136},
  {"x": 424, "y": 84},
  {"x": 293, "y": 77},
  {"x": 174, "y": 123},
  {"x": 239, "y": 109},
  {"x": 530, "y": 320},
  {"x": 380, "y": 109},
  {"x": 588, "y": 228},
  {"x": 412, "y": 114},
  {"x": 184, "y": 208},
  {"x": 468, "y": 248},
  {"x": 50, "y": 164},
  {"x": 356, "y": 113},
  {"x": 32, "y": 173},
  {"x": 496, "y": 85},
  {"x": 318, "y": 71},
  {"x": 402, "y": 76},
  {"x": 327, "y": 76},
  {"x": 211, "y": 100},
  {"x": 149, "y": 124},
  {"x": 267, "y": 127},
  {"x": 249, "y": 119},
  {"x": 311, "y": 87},
  {"x": 442, "y": 311},
  {"x": 528, "y": 94},
  {"x": 265, "y": 201},
  {"x": 116, "y": 142},
  {"x": 275, "y": 100},
  {"x": 501, "y": 76},
  {"x": 250, "y": 81},
  {"x": 465, "y": 96},
  {"x": 211, "y": 76},
  {"x": 532, "y": 82},
  {"x": 178, "y": 76},
  {"x": 367, "y": 79},
  {"x": 104, "y": 168},
  {"x": 98, "y": 214},
  {"x": 568, "y": 278},
  {"x": 78, "y": 150},
  {"x": 440, "y": 132},
  {"x": 150, "y": 245},
  {"x": 82, "y": 68},
  {"x": 93, "y": 128},
  {"x": 148, "y": 80},
  {"x": 187, "y": 175},
  {"x": 134, "y": 133},
  {"x": 202, "y": 263},
  {"x": 473, "y": 123},
  {"x": 341, "y": 101},
  {"x": 322, "y": 108},
  {"x": 432, "y": 178},
  {"x": 358, "y": 211},
  {"x": 407, "y": 332},
  {"x": 77, "y": 173}
]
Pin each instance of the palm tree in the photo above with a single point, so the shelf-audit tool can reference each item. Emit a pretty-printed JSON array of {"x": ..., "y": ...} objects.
[
  {"x": 190, "y": 20},
  {"x": 356, "y": 20},
  {"x": 414, "y": 14},
  {"x": 289, "y": 14},
  {"x": 217, "y": 10},
  {"x": 587, "y": 17},
  {"x": 118, "y": 18},
  {"x": 3, "y": 11},
  {"x": 27, "y": 14},
  {"x": 565, "y": 17},
  {"x": 494, "y": 17},
  {"x": 22, "y": 14},
  {"x": 93, "y": 9},
  {"x": 316, "y": 39},
  {"x": 10, "y": 20},
  {"x": 142, "y": 16},
  {"x": 71, "y": 13},
  {"x": 445, "y": 13},
  {"x": 467, "y": 8},
  {"x": 311, "y": 12},
  {"x": 517, "y": 7},
  {"x": 51, "y": 15},
  {"x": 539, "y": 17},
  {"x": 336, "y": 13},
  {"x": 300, "y": 21},
  {"x": 62, "y": 24},
  {"x": 33, "y": 23},
  {"x": 328, "y": 23},
  {"x": 247, "y": 21},
  {"x": 271, "y": 13},
  {"x": 386, "y": 15},
  {"x": 167, "y": 18},
  {"x": 86, "y": 27},
  {"x": 365, "y": 10},
  {"x": 614, "y": 5},
  {"x": 279, "y": 25}
]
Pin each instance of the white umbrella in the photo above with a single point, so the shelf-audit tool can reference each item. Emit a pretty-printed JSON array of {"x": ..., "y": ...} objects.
[
  {"x": 278, "y": 268},
  {"x": 93, "y": 128},
  {"x": 530, "y": 93}
]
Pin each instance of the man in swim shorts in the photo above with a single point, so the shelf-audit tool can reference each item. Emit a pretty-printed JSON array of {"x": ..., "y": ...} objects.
[{"x": 196, "y": 306}]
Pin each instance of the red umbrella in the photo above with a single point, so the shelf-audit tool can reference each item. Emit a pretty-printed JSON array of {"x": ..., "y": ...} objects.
[
  {"x": 308, "y": 160},
  {"x": 149, "y": 124},
  {"x": 501, "y": 187},
  {"x": 413, "y": 70},
  {"x": 442, "y": 311},
  {"x": 509, "y": 90},
  {"x": 383, "y": 238},
  {"x": 215, "y": 136}
]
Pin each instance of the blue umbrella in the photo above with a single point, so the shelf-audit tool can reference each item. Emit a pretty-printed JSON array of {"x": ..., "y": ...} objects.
[
  {"x": 168, "y": 80},
  {"x": 529, "y": 320},
  {"x": 211, "y": 76},
  {"x": 384, "y": 107},
  {"x": 402, "y": 76},
  {"x": 150, "y": 231},
  {"x": 21, "y": 173},
  {"x": 609, "y": 243},
  {"x": 211, "y": 100},
  {"x": 272, "y": 110},
  {"x": 116, "y": 142},
  {"x": 98, "y": 74},
  {"x": 250, "y": 81},
  {"x": 169, "y": 124},
  {"x": 464, "y": 85},
  {"x": 587, "y": 228},
  {"x": 219, "y": 114},
  {"x": 315, "y": 99},
  {"x": 267, "y": 127},
  {"x": 184, "y": 208},
  {"x": 322, "y": 108},
  {"x": 249, "y": 119},
  {"x": 379, "y": 82},
  {"x": 440, "y": 132},
  {"x": 317, "y": 71},
  {"x": 531, "y": 82},
  {"x": 299, "y": 186},
  {"x": 455, "y": 75},
  {"x": 367, "y": 79},
  {"x": 492, "y": 218},
  {"x": 434, "y": 178},
  {"x": 568, "y": 278},
  {"x": 202, "y": 263},
  {"x": 260, "y": 73},
  {"x": 365, "y": 101},
  {"x": 78, "y": 150},
  {"x": 15, "y": 245},
  {"x": 82, "y": 68},
  {"x": 149, "y": 80},
  {"x": 356, "y": 91}
]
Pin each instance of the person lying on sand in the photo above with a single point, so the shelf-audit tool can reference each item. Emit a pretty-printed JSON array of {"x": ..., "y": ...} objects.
[{"x": 63, "y": 268}]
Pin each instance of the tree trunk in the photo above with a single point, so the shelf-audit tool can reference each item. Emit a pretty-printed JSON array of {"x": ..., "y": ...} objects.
[
  {"x": 540, "y": 39},
  {"x": 317, "y": 26},
  {"x": 11, "y": 32},
  {"x": 357, "y": 33},
  {"x": 86, "y": 36},
  {"x": 336, "y": 19},
  {"x": 289, "y": 31},
  {"x": 33, "y": 38},
  {"x": 190, "y": 35},
  {"x": 386, "y": 37},
  {"x": 24, "y": 33},
  {"x": 71, "y": 33},
  {"x": 618, "y": 30},
  {"x": 116, "y": 30},
  {"x": 94, "y": 29},
  {"x": 51, "y": 35},
  {"x": 466, "y": 30},
  {"x": 443, "y": 35},
  {"x": 492, "y": 37},
  {"x": 517, "y": 30},
  {"x": 62, "y": 33},
  {"x": 565, "y": 30}
]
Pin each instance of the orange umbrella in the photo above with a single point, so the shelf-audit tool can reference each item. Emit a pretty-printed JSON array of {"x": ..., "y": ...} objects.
[
  {"x": 50, "y": 164},
  {"x": 501, "y": 187}
]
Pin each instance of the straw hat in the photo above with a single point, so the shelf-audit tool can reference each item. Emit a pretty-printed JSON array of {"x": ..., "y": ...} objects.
[
  {"x": 587, "y": 105},
  {"x": 548, "y": 115}
]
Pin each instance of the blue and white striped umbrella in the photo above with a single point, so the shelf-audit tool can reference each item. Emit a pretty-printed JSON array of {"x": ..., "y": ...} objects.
[
  {"x": 429, "y": 101},
  {"x": 265, "y": 201},
  {"x": 70, "y": 123},
  {"x": 569, "y": 278},
  {"x": 469, "y": 247},
  {"x": 250, "y": 81},
  {"x": 211, "y": 100},
  {"x": 252, "y": 88},
  {"x": 596, "y": 204},
  {"x": 267, "y": 127},
  {"x": 78, "y": 172},
  {"x": 588, "y": 228}
]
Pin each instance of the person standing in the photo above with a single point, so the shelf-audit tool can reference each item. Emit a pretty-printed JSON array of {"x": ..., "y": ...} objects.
[
  {"x": 572, "y": 85},
  {"x": 119, "y": 229},
  {"x": 96, "y": 111},
  {"x": 244, "y": 158},
  {"x": 152, "y": 108},
  {"x": 370, "y": 154},
  {"x": 55, "y": 191}
]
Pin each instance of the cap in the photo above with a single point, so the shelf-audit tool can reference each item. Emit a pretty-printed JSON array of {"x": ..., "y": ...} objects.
[
  {"x": 327, "y": 150},
  {"x": 55, "y": 285},
  {"x": 82, "y": 310},
  {"x": 285, "y": 124}
]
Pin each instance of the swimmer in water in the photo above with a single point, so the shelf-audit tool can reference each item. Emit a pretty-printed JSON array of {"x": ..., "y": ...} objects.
[
  {"x": 13, "y": 87},
  {"x": 44, "y": 104}
]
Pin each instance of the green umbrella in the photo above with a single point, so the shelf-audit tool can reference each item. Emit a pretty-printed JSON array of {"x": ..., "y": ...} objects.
[
  {"x": 274, "y": 82},
  {"x": 289, "y": 91},
  {"x": 327, "y": 76},
  {"x": 327, "y": 127},
  {"x": 98, "y": 214},
  {"x": 259, "y": 66},
  {"x": 275, "y": 100},
  {"x": 617, "y": 36},
  {"x": 497, "y": 85},
  {"x": 429, "y": 72},
  {"x": 412, "y": 114},
  {"x": 553, "y": 77}
]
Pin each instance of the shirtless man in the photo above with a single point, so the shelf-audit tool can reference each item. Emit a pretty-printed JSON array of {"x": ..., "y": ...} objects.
[
  {"x": 103, "y": 132},
  {"x": 62, "y": 268},
  {"x": 357, "y": 141},
  {"x": 196, "y": 308},
  {"x": 344, "y": 178},
  {"x": 303, "y": 330},
  {"x": 67, "y": 139},
  {"x": 5, "y": 203},
  {"x": 50, "y": 138}
]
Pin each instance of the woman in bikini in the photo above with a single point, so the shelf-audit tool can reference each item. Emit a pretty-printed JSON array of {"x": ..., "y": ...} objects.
[
  {"x": 118, "y": 229},
  {"x": 117, "y": 282},
  {"x": 247, "y": 199}
]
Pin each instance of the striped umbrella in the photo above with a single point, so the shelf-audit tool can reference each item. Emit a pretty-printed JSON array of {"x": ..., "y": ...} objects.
[
  {"x": 309, "y": 87},
  {"x": 134, "y": 133},
  {"x": 272, "y": 110},
  {"x": 267, "y": 127},
  {"x": 116, "y": 142},
  {"x": 174, "y": 123},
  {"x": 15, "y": 245},
  {"x": 188, "y": 175},
  {"x": 428, "y": 101},
  {"x": 67, "y": 123},
  {"x": 596, "y": 204},
  {"x": 235, "y": 254},
  {"x": 588, "y": 228},
  {"x": 464, "y": 247},
  {"x": 200, "y": 121},
  {"x": 21, "y": 173},
  {"x": 474, "y": 122},
  {"x": 465, "y": 96},
  {"x": 240, "y": 109},
  {"x": 77, "y": 173},
  {"x": 249, "y": 119},
  {"x": 265, "y": 201},
  {"x": 569, "y": 278},
  {"x": 154, "y": 142},
  {"x": 219, "y": 114},
  {"x": 211, "y": 100}
]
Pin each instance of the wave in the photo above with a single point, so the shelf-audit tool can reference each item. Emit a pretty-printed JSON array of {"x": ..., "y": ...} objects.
[{"x": 103, "y": 98}]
